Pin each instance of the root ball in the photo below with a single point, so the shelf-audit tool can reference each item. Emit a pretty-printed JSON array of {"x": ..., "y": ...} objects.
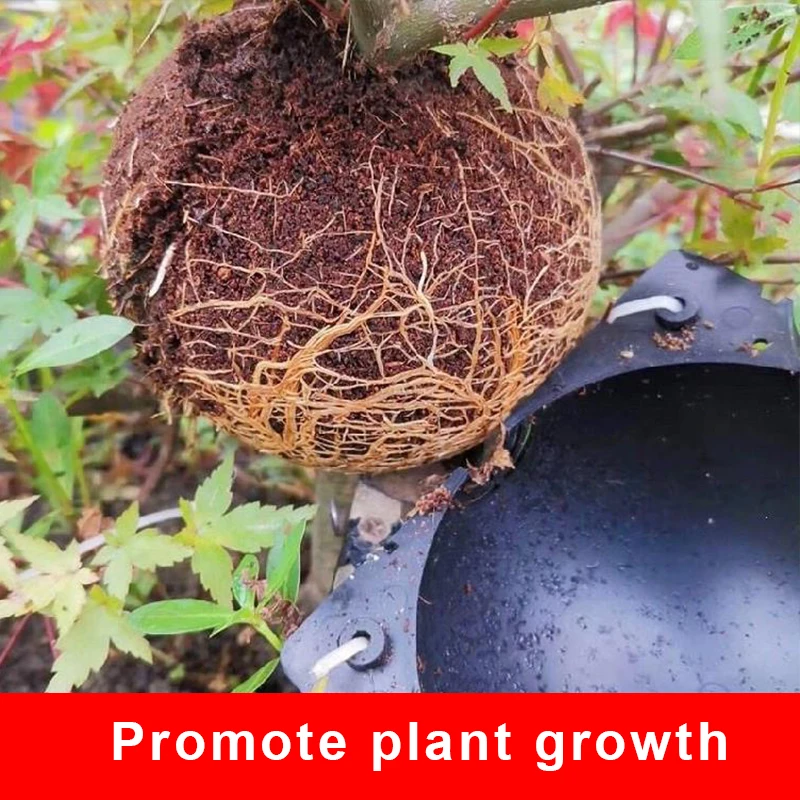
[{"x": 355, "y": 271}]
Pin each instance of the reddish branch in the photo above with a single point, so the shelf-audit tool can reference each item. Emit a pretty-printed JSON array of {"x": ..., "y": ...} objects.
[
  {"x": 335, "y": 18},
  {"x": 487, "y": 20},
  {"x": 19, "y": 626},
  {"x": 733, "y": 193}
]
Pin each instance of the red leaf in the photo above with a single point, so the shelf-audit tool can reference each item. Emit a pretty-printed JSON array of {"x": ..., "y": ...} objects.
[
  {"x": 10, "y": 50},
  {"x": 17, "y": 155},
  {"x": 622, "y": 16},
  {"x": 47, "y": 93},
  {"x": 525, "y": 28}
]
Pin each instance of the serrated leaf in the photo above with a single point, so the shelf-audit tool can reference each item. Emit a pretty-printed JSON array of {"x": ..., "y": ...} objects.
[
  {"x": 212, "y": 564},
  {"x": 47, "y": 557},
  {"x": 85, "y": 647},
  {"x": 8, "y": 572},
  {"x": 25, "y": 308},
  {"x": 49, "y": 171},
  {"x": 179, "y": 616},
  {"x": 58, "y": 588},
  {"x": 126, "y": 549},
  {"x": 12, "y": 508},
  {"x": 248, "y": 528},
  {"x": 283, "y": 564},
  {"x": 117, "y": 575},
  {"x": 740, "y": 109},
  {"x": 214, "y": 495},
  {"x": 125, "y": 527},
  {"x": 744, "y": 25},
  {"x": 258, "y": 678},
  {"x": 488, "y": 73},
  {"x": 244, "y": 576},
  {"x": 501, "y": 46},
  {"x": 452, "y": 50},
  {"x": 471, "y": 56},
  {"x": 67, "y": 603},
  {"x": 149, "y": 549},
  {"x": 20, "y": 219},
  {"x": 556, "y": 94},
  {"x": 78, "y": 341}
]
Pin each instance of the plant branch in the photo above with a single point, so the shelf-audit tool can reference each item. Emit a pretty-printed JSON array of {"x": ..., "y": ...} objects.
[
  {"x": 19, "y": 626},
  {"x": 663, "y": 30},
  {"x": 776, "y": 104},
  {"x": 680, "y": 172},
  {"x": 391, "y": 32},
  {"x": 486, "y": 22}
]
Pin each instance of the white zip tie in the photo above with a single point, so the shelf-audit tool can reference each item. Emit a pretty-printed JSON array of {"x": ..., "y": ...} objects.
[
  {"x": 96, "y": 542},
  {"x": 660, "y": 302},
  {"x": 341, "y": 655}
]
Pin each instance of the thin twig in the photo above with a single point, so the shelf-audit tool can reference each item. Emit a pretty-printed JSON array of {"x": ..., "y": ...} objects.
[
  {"x": 155, "y": 472},
  {"x": 663, "y": 29},
  {"x": 568, "y": 60},
  {"x": 680, "y": 172},
  {"x": 19, "y": 626},
  {"x": 488, "y": 19},
  {"x": 51, "y": 636},
  {"x": 629, "y": 131}
]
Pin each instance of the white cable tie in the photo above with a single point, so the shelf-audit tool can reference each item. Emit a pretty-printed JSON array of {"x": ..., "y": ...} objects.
[
  {"x": 660, "y": 302},
  {"x": 342, "y": 654}
]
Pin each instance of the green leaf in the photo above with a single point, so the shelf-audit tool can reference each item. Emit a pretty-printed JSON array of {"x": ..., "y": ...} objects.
[
  {"x": 20, "y": 218},
  {"x": 744, "y": 25},
  {"x": 244, "y": 576},
  {"x": 13, "y": 335},
  {"x": 126, "y": 549},
  {"x": 283, "y": 564},
  {"x": 84, "y": 648},
  {"x": 52, "y": 430},
  {"x": 47, "y": 557},
  {"x": 471, "y": 56},
  {"x": 11, "y": 508},
  {"x": 740, "y": 109},
  {"x": 24, "y": 307},
  {"x": 501, "y": 46},
  {"x": 214, "y": 496},
  {"x": 248, "y": 528},
  {"x": 212, "y": 564},
  {"x": 78, "y": 341},
  {"x": 8, "y": 572},
  {"x": 258, "y": 678},
  {"x": 488, "y": 73},
  {"x": 738, "y": 222},
  {"x": 59, "y": 588},
  {"x": 179, "y": 616},
  {"x": 49, "y": 171},
  {"x": 451, "y": 50},
  {"x": 55, "y": 208}
]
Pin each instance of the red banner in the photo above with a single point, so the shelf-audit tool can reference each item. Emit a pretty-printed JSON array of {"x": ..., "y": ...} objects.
[{"x": 398, "y": 745}]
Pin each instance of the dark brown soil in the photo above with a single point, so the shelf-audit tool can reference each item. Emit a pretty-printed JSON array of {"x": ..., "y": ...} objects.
[{"x": 284, "y": 196}]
